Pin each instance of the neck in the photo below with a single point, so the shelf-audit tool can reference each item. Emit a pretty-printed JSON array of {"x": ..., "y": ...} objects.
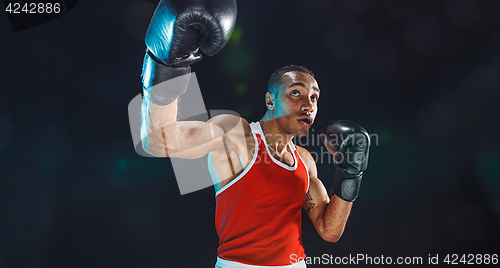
[{"x": 276, "y": 137}]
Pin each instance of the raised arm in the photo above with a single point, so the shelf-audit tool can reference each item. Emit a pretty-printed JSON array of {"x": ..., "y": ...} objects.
[{"x": 179, "y": 31}]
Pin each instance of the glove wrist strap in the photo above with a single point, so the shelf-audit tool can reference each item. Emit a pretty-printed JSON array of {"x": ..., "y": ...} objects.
[
  {"x": 346, "y": 185},
  {"x": 162, "y": 84}
]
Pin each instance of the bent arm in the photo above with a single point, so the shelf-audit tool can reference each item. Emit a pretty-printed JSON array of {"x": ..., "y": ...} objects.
[
  {"x": 329, "y": 216},
  {"x": 163, "y": 136}
]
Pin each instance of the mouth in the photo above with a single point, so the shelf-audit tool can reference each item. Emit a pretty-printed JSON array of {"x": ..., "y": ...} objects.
[{"x": 306, "y": 121}]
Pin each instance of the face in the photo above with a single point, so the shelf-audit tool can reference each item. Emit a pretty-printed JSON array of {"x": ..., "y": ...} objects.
[{"x": 296, "y": 105}]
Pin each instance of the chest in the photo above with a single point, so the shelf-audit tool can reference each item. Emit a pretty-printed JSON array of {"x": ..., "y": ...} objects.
[{"x": 286, "y": 157}]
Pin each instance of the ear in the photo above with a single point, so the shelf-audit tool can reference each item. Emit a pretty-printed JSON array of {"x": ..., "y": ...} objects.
[{"x": 270, "y": 101}]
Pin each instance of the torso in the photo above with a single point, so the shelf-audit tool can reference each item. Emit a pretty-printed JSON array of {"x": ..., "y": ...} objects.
[
  {"x": 240, "y": 154},
  {"x": 271, "y": 192}
]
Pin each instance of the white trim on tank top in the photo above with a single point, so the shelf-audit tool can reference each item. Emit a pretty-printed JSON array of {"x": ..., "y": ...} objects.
[
  {"x": 222, "y": 263},
  {"x": 256, "y": 149},
  {"x": 281, "y": 164},
  {"x": 256, "y": 129}
]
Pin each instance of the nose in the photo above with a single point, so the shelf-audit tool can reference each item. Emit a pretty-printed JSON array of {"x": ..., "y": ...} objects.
[{"x": 308, "y": 108}]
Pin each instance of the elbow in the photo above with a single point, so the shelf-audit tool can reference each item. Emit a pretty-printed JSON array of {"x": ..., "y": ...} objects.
[
  {"x": 152, "y": 144},
  {"x": 331, "y": 237},
  {"x": 147, "y": 148},
  {"x": 331, "y": 230}
]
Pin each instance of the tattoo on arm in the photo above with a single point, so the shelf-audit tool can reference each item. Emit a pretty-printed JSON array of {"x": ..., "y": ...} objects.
[{"x": 308, "y": 204}]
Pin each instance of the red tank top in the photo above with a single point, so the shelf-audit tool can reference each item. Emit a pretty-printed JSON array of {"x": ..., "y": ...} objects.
[{"x": 259, "y": 214}]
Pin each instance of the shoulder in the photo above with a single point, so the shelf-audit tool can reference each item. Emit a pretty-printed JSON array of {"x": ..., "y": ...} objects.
[
  {"x": 231, "y": 123},
  {"x": 308, "y": 159},
  {"x": 304, "y": 153}
]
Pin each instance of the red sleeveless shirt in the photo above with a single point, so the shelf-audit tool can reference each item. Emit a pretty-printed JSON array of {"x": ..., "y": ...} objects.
[{"x": 259, "y": 214}]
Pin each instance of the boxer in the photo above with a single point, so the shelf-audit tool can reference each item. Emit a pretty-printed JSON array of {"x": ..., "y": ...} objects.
[{"x": 262, "y": 180}]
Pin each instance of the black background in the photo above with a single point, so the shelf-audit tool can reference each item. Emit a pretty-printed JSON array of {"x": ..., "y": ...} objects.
[{"x": 424, "y": 76}]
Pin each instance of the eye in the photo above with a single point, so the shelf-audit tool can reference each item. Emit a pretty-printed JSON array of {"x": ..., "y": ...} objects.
[
  {"x": 314, "y": 97},
  {"x": 295, "y": 93}
]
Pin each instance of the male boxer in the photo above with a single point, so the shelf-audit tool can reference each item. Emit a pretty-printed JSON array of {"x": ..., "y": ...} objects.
[{"x": 262, "y": 180}]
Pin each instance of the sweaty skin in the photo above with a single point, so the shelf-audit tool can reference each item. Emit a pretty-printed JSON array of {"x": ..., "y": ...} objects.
[{"x": 230, "y": 149}]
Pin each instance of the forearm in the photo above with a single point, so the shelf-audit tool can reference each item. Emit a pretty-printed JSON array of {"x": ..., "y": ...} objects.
[
  {"x": 158, "y": 127},
  {"x": 334, "y": 218}
]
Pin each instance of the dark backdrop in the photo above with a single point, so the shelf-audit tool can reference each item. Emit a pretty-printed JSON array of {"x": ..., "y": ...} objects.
[{"x": 424, "y": 76}]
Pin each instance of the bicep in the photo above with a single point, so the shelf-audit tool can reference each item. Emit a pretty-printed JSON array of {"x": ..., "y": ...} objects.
[
  {"x": 195, "y": 139},
  {"x": 185, "y": 139},
  {"x": 316, "y": 200}
]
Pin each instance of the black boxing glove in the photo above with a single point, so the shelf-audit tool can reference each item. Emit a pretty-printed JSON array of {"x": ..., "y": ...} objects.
[
  {"x": 178, "y": 31},
  {"x": 349, "y": 144}
]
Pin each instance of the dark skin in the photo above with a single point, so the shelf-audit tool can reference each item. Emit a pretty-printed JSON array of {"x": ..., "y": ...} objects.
[{"x": 229, "y": 143}]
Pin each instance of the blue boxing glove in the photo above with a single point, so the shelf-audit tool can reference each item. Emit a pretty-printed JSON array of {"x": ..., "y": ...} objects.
[{"x": 178, "y": 31}]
